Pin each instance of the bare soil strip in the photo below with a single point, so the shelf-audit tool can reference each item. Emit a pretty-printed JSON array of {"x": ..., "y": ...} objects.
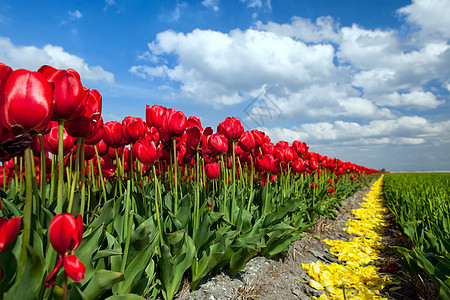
[{"x": 284, "y": 278}]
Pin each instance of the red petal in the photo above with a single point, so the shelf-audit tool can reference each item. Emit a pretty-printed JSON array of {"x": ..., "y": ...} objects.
[
  {"x": 62, "y": 231},
  {"x": 73, "y": 267},
  {"x": 51, "y": 278}
]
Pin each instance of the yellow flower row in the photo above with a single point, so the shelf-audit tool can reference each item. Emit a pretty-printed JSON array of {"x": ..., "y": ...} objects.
[{"x": 356, "y": 278}]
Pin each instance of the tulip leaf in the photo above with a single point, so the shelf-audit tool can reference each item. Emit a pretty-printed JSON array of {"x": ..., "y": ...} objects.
[
  {"x": 125, "y": 297},
  {"x": 89, "y": 245},
  {"x": 102, "y": 281},
  {"x": 106, "y": 215},
  {"x": 28, "y": 286},
  {"x": 134, "y": 270},
  {"x": 174, "y": 262},
  {"x": 106, "y": 253}
]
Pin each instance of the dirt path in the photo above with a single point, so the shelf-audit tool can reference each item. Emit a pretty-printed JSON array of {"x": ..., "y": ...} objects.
[{"x": 283, "y": 277}]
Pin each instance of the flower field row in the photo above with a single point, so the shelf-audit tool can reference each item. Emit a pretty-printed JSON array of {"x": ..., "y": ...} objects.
[
  {"x": 357, "y": 278},
  {"x": 421, "y": 206},
  {"x": 129, "y": 209}
]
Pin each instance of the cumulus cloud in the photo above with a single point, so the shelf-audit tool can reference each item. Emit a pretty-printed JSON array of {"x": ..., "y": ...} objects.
[
  {"x": 430, "y": 16},
  {"x": 404, "y": 130},
  {"x": 312, "y": 68},
  {"x": 340, "y": 85},
  {"x": 75, "y": 14},
  {"x": 32, "y": 57}
]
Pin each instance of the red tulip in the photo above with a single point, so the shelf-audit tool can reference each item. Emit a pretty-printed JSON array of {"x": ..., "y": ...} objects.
[
  {"x": 51, "y": 140},
  {"x": 87, "y": 124},
  {"x": 268, "y": 148},
  {"x": 68, "y": 92},
  {"x": 102, "y": 148},
  {"x": 153, "y": 132},
  {"x": 300, "y": 147},
  {"x": 314, "y": 185},
  {"x": 154, "y": 115},
  {"x": 268, "y": 163},
  {"x": 247, "y": 141},
  {"x": 28, "y": 102},
  {"x": 231, "y": 128},
  {"x": 145, "y": 150},
  {"x": 259, "y": 137},
  {"x": 174, "y": 122},
  {"x": 5, "y": 71},
  {"x": 133, "y": 128},
  {"x": 193, "y": 136},
  {"x": 8, "y": 231},
  {"x": 218, "y": 143},
  {"x": 212, "y": 170},
  {"x": 98, "y": 135},
  {"x": 65, "y": 232},
  {"x": 194, "y": 121},
  {"x": 112, "y": 134}
]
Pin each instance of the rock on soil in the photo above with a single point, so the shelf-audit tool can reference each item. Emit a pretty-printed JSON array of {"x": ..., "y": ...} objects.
[{"x": 283, "y": 277}]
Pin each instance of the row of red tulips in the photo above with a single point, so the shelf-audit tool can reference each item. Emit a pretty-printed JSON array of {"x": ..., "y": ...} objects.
[{"x": 49, "y": 111}]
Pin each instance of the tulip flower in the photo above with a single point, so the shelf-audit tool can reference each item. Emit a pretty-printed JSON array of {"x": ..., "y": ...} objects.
[
  {"x": 145, "y": 150},
  {"x": 154, "y": 115},
  {"x": 68, "y": 92},
  {"x": 51, "y": 140},
  {"x": 247, "y": 141},
  {"x": 132, "y": 129},
  {"x": 174, "y": 122},
  {"x": 218, "y": 143},
  {"x": 112, "y": 134},
  {"x": 28, "y": 102},
  {"x": 8, "y": 231},
  {"x": 193, "y": 137},
  {"x": 65, "y": 234},
  {"x": 87, "y": 124},
  {"x": 212, "y": 170},
  {"x": 231, "y": 128}
]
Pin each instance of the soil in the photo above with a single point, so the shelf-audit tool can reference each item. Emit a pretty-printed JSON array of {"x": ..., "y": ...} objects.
[{"x": 283, "y": 277}]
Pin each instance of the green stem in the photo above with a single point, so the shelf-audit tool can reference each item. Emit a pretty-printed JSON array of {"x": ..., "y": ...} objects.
[
  {"x": 53, "y": 181},
  {"x": 99, "y": 165},
  {"x": 65, "y": 286},
  {"x": 176, "y": 174},
  {"x": 157, "y": 205},
  {"x": 119, "y": 170},
  {"x": 60, "y": 203},
  {"x": 43, "y": 170},
  {"x": 75, "y": 176},
  {"x": 27, "y": 211},
  {"x": 83, "y": 178}
]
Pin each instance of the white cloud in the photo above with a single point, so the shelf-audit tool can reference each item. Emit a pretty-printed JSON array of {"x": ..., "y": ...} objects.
[
  {"x": 431, "y": 16},
  {"x": 214, "y": 4},
  {"x": 32, "y": 57},
  {"x": 75, "y": 14},
  {"x": 323, "y": 30},
  {"x": 404, "y": 130}
]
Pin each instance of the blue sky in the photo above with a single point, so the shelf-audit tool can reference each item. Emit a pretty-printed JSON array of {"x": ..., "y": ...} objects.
[{"x": 364, "y": 81}]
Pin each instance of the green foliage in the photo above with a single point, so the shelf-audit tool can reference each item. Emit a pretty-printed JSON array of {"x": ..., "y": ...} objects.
[{"x": 421, "y": 205}]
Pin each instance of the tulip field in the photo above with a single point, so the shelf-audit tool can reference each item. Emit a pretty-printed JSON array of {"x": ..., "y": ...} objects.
[
  {"x": 421, "y": 206},
  {"x": 131, "y": 209}
]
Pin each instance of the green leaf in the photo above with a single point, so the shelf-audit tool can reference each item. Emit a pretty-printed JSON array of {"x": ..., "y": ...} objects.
[
  {"x": 29, "y": 285},
  {"x": 106, "y": 253},
  {"x": 106, "y": 215},
  {"x": 174, "y": 262},
  {"x": 89, "y": 245},
  {"x": 134, "y": 270},
  {"x": 102, "y": 281},
  {"x": 125, "y": 297}
]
